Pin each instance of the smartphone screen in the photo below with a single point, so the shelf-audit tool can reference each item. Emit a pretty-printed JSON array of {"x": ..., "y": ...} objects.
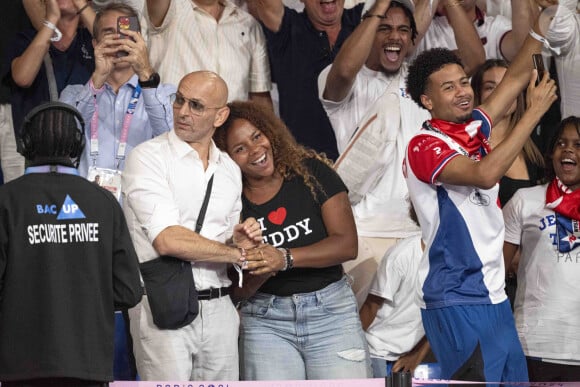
[
  {"x": 126, "y": 23},
  {"x": 539, "y": 65}
]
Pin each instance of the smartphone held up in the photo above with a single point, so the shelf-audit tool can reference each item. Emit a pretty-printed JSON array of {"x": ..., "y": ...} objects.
[
  {"x": 539, "y": 65},
  {"x": 125, "y": 23}
]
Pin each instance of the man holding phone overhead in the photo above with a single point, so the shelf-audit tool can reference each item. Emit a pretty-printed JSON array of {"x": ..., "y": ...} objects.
[
  {"x": 126, "y": 23},
  {"x": 123, "y": 104},
  {"x": 124, "y": 101}
]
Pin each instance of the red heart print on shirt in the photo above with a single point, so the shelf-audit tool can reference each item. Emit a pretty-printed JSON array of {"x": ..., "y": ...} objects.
[{"x": 278, "y": 216}]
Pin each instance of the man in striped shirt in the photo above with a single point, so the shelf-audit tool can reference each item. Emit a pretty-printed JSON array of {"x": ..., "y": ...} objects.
[{"x": 191, "y": 35}]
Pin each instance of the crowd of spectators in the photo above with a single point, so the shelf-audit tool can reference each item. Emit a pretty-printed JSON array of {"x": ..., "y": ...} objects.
[{"x": 306, "y": 131}]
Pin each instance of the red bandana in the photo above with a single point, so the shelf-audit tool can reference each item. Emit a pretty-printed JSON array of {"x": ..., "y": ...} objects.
[
  {"x": 468, "y": 135},
  {"x": 563, "y": 200}
]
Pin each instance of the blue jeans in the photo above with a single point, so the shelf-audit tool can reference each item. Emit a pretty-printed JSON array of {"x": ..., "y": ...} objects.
[
  {"x": 381, "y": 367},
  {"x": 315, "y": 335}
]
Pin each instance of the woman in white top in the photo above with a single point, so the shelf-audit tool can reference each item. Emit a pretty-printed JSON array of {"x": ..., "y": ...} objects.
[{"x": 543, "y": 221}]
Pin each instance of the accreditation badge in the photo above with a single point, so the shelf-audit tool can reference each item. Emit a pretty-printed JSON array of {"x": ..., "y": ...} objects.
[{"x": 109, "y": 179}]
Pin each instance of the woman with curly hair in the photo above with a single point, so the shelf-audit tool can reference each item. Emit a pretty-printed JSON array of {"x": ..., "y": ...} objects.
[{"x": 302, "y": 322}]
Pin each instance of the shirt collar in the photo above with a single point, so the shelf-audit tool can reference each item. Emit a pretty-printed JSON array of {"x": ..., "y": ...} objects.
[
  {"x": 52, "y": 168},
  {"x": 182, "y": 148},
  {"x": 133, "y": 82},
  {"x": 382, "y": 74},
  {"x": 229, "y": 8}
]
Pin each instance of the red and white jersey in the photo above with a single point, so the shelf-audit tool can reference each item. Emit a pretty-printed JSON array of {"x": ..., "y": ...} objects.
[{"x": 461, "y": 225}]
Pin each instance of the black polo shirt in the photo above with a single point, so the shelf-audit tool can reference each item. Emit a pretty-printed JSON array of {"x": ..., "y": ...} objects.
[
  {"x": 298, "y": 53},
  {"x": 73, "y": 66}
]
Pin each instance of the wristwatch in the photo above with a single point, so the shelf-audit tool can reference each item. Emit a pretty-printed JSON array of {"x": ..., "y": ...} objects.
[{"x": 153, "y": 81}]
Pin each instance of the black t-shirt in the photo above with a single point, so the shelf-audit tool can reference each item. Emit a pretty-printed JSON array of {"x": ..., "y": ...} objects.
[
  {"x": 509, "y": 186},
  {"x": 293, "y": 218}
]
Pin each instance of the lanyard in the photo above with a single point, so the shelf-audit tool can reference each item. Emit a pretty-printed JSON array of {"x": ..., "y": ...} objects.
[
  {"x": 121, "y": 151},
  {"x": 445, "y": 137},
  {"x": 52, "y": 168}
]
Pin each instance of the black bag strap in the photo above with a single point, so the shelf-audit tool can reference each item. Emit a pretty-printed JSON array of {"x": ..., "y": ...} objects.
[{"x": 203, "y": 208}]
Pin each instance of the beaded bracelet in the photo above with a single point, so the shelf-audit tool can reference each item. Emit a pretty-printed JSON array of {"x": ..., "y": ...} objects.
[
  {"x": 289, "y": 260},
  {"x": 289, "y": 264}
]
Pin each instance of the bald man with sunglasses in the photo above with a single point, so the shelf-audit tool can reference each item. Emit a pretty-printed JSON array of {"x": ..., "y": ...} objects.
[{"x": 164, "y": 185}]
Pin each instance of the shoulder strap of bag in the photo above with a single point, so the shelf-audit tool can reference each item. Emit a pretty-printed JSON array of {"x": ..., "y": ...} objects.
[
  {"x": 52, "y": 88},
  {"x": 203, "y": 208}
]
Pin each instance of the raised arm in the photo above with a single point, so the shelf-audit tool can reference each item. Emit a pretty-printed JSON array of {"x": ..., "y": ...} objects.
[
  {"x": 269, "y": 12},
  {"x": 524, "y": 13},
  {"x": 424, "y": 12},
  {"x": 25, "y": 67},
  {"x": 469, "y": 46},
  {"x": 157, "y": 9},
  {"x": 485, "y": 174},
  {"x": 36, "y": 12},
  {"x": 515, "y": 80},
  {"x": 562, "y": 27},
  {"x": 354, "y": 53},
  {"x": 86, "y": 13}
]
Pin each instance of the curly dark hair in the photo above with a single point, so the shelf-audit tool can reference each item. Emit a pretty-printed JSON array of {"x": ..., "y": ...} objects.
[
  {"x": 425, "y": 64},
  {"x": 569, "y": 121},
  {"x": 288, "y": 154}
]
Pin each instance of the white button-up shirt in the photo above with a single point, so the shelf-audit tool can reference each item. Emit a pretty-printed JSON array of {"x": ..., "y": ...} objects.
[
  {"x": 234, "y": 47},
  {"x": 164, "y": 185}
]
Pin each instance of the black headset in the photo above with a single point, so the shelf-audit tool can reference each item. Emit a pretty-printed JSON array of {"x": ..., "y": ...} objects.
[{"x": 27, "y": 146}]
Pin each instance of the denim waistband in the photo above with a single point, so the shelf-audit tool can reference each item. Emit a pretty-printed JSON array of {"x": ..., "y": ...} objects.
[{"x": 327, "y": 291}]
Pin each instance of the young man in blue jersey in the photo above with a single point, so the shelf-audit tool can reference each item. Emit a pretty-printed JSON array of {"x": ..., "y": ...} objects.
[{"x": 453, "y": 187}]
